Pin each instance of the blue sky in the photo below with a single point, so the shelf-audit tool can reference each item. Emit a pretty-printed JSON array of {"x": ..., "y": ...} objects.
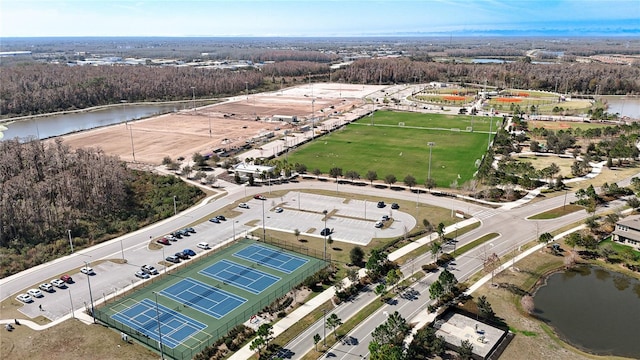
[{"x": 38, "y": 18}]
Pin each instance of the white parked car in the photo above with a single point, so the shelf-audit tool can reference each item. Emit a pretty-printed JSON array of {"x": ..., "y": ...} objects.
[
  {"x": 58, "y": 283},
  {"x": 35, "y": 293},
  {"x": 279, "y": 209},
  {"x": 142, "y": 275},
  {"x": 87, "y": 270},
  {"x": 148, "y": 269},
  {"x": 24, "y": 298},
  {"x": 243, "y": 205},
  {"x": 46, "y": 287},
  {"x": 170, "y": 238},
  {"x": 203, "y": 245}
]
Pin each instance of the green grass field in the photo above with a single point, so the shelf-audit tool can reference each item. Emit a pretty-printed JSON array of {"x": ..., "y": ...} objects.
[
  {"x": 390, "y": 149},
  {"x": 216, "y": 328}
]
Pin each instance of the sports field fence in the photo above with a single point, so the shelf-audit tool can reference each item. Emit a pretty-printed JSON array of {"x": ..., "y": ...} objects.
[{"x": 211, "y": 334}]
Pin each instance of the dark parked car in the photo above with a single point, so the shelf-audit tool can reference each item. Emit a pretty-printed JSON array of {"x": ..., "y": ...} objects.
[
  {"x": 215, "y": 220},
  {"x": 325, "y": 232},
  {"x": 259, "y": 197},
  {"x": 173, "y": 259},
  {"x": 395, "y": 206},
  {"x": 191, "y": 230},
  {"x": 189, "y": 252},
  {"x": 67, "y": 279},
  {"x": 177, "y": 234},
  {"x": 381, "y": 204},
  {"x": 181, "y": 255},
  {"x": 221, "y": 218},
  {"x": 163, "y": 241}
]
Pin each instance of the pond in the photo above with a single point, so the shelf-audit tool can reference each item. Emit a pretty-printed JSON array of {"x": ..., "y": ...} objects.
[{"x": 593, "y": 309}]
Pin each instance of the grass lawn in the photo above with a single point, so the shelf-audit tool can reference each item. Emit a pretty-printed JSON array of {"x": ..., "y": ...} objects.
[
  {"x": 541, "y": 162},
  {"x": 557, "y": 212},
  {"x": 399, "y": 151}
]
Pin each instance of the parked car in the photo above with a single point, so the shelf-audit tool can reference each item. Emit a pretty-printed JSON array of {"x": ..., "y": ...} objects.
[
  {"x": 24, "y": 298},
  {"x": 46, "y": 287},
  {"x": 58, "y": 283},
  {"x": 243, "y": 205},
  {"x": 279, "y": 209},
  {"x": 142, "y": 275},
  {"x": 203, "y": 245},
  {"x": 148, "y": 269},
  {"x": 87, "y": 270},
  {"x": 385, "y": 218},
  {"x": 381, "y": 204},
  {"x": 170, "y": 237},
  {"x": 176, "y": 234},
  {"x": 66, "y": 278},
  {"x": 215, "y": 220},
  {"x": 184, "y": 232},
  {"x": 325, "y": 232},
  {"x": 259, "y": 197},
  {"x": 189, "y": 252},
  {"x": 379, "y": 224},
  {"x": 191, "y": 230},
  {"x": 221, "y": 218},
  {"x": 172, "y": 259},
  {"x": 163, "y": 241},
  {"x": 35, "y": 293},
  {"x": 395, "y": 206},
  {"x": 181, "y": 255}
]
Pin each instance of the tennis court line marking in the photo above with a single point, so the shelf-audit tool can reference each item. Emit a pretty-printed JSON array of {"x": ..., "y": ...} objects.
[
  {"x": 228, "y": 303},
  {"x": 256, "y": 255},
  {"x": 146, "y": 309},
  {"x": 262, "y": 279}
]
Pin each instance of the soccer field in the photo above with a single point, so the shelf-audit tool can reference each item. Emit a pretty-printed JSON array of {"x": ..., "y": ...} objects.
[{"x": 401, "y": 150}]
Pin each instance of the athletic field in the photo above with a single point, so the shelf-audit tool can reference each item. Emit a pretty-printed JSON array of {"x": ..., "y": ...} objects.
[
  {"x": 393, "y": 143},
  {"x": 192, "y": 306}
]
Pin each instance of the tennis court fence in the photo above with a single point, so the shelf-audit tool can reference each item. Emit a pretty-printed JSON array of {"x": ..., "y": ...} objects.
[{"x": 213, "y": 332}]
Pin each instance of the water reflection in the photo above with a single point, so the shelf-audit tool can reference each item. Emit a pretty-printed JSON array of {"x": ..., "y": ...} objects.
[
  {"x": 56, "y": 125},
  {"x": 593, "y": 309}
]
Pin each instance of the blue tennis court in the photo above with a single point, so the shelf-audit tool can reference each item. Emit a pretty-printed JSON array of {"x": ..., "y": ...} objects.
[
  {"x": 240, "y": 276},
  {"x": 274, "y": 259},
  {"x": 202, "y": 297},
  {"x": 174, "y": 327}
]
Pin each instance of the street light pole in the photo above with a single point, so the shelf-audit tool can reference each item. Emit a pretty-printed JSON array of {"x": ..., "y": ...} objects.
[
  {"x": 209, "y": 125},
  {"x": 193, "y": 102},
  {"x": 430, "y": 143},
  {"x": 246, "y": 89},
  {"x": 133, "y": 151},
  {"x": 86, "y": 264},
  {"x": 70, "y": 242},
  {"x": 324, "y": 326},
  {"x": 159, "y": 328},
  {"x": 325, "y": 233},
  {"x": 175, "y": 208},
  {"x": 122, "y": 250},
  {"x": 490, "y": 129},
  {"x": 264, "y": 231}
]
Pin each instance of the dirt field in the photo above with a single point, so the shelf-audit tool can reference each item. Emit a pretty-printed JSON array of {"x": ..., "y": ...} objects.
[{"x": 232, "y": 123}]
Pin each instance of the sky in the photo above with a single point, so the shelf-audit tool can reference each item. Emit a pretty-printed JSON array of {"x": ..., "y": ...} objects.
[{"x": 317, "y": 18}]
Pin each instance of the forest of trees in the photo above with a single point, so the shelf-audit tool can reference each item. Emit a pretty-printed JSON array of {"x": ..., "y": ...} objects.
[
  {"x": 43, "y": 88},
  {"x": 47, "y": 189}
]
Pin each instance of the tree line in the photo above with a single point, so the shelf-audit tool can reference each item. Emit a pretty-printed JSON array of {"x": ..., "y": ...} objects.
[
  {"x": 48, "y": 189},
  {"x": 43, "y": 88}
]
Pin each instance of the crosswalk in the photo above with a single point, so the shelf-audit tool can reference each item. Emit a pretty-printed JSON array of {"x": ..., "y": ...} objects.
[{"x": 487, "y": 214}]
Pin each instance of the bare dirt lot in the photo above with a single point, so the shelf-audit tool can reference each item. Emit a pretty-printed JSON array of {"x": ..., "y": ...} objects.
[{"x": 232, "y": 123}]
